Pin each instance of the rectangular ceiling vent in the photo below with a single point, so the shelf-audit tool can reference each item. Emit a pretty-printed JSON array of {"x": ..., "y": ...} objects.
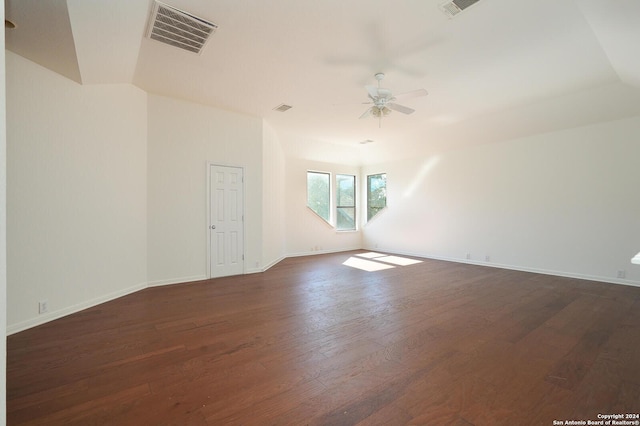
[
  {"x": 282, "y": 107},
  {"x": 453, "y": 8},
  {"x": 178, "y": 28}
]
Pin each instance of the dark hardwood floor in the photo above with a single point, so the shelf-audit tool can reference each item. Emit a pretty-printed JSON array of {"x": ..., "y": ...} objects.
[{"x": 312, "y": 341}]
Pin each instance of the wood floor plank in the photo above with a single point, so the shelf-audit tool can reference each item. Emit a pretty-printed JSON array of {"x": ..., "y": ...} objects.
[
  {"x": 574, "y": 366},
  {"x": 312, "y": 341},
  {"x": 628, "y": 396},
  {"x": 389, "y": 415},
  {"x": 273, "y": 407}
]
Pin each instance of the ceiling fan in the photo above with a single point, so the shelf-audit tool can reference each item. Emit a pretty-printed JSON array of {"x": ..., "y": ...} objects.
[{"x": 382, "y": 101}]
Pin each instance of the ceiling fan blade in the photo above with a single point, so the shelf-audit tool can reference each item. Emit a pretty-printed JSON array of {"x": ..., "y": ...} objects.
[
  {"x": 412, "y": 94},
  {"x": 373, "y": 91},
  {"x": 400, "y": 108},
  {"x": 366, "y": 114}
]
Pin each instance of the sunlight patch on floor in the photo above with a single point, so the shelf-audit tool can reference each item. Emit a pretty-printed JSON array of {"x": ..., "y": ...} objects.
[
  {"x": 372, "y": 261},
  {"x": 366, "y": 265},
  {"x": 371, "y": 255},
  {"x": 397, "y": 260}
]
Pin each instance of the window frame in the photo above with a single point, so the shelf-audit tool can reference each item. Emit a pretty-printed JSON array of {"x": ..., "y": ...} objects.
[{"x": 338, "y": 206}]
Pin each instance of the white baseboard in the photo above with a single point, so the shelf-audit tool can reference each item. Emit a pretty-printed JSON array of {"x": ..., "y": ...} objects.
[
  {"x": 274, "y": 263},
  {"x": 311, "y": 253},
  {"x": 611, "y": 280},
  {"x": 54, "y": 315},
  {"x": 172, "y": 281}
]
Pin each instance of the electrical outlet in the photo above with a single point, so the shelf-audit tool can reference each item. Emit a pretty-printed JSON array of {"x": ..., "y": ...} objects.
[
  {"x": 43, "y": 306},
  {"x": 468, "y": 255},
  {"x": 487, "y": 258},
  {"x": 622, "y": 273}
]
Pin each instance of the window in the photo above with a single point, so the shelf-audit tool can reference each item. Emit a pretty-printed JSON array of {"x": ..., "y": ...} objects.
[
  {"x": 376, "y": 194},
  {"x": 345, "y": 202},
  {"x": 318, "y": 193}
]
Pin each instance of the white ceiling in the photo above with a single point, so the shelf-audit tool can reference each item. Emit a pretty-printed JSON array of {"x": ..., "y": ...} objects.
[{"x": 501, "y": 69}]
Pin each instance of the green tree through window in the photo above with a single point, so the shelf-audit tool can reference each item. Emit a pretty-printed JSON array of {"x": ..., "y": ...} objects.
[{"x": 319, "y": 193}]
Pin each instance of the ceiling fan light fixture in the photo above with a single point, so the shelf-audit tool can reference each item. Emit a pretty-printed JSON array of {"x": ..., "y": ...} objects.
[
  {"x": 380, "y": 111},
  {"x": 384, "y": 102}
]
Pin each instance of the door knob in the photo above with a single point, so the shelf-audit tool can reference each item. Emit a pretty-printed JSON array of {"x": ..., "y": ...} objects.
[{"x": 213, "y": 227}]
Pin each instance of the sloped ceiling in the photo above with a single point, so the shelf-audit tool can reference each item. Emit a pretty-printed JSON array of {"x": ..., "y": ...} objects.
[
  {"x": 500, "y": 69},
  {"x": 44, "y": 37}
]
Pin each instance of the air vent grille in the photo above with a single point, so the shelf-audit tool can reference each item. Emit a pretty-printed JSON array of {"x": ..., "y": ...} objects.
[
  {"x": 282, "y": 107},
  {"x": 178, "y": 28},
  {"x": 463, "y": 4},
  {"x": 452, "y": 8}
]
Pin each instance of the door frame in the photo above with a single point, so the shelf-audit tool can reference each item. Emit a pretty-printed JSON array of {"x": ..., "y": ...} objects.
[{"x": 208, "y": 214}]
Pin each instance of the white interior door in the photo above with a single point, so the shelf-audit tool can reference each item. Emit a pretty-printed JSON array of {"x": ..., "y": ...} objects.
[{"x": 226, "y": 221}]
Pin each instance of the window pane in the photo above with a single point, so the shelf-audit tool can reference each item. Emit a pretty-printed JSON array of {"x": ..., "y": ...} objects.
[
  {"x": 318, "y": 193},
  {"x": 346, "y": 189},
  {"x": 346, "y": 218},
  {"x": 345, "y": 202},
  {"x": 376, "y": 194}
]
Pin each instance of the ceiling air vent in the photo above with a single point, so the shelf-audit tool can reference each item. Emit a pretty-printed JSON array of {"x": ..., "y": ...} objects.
[
  {"x": 282, "y": 107},
  {"x": 178, "y": 28},
  {"x": 452, "y": 8}
]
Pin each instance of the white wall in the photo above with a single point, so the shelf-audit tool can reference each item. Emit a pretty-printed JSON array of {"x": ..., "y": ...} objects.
[
  {"x": 76, "y": 196},
  {"x": 564, "y": 202},
  {"x": 306, "y": 232},
  {"x": 183, "y": 138},
  {"x": 273, "y": 197},
  {"x": 107, "y": 190}
]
